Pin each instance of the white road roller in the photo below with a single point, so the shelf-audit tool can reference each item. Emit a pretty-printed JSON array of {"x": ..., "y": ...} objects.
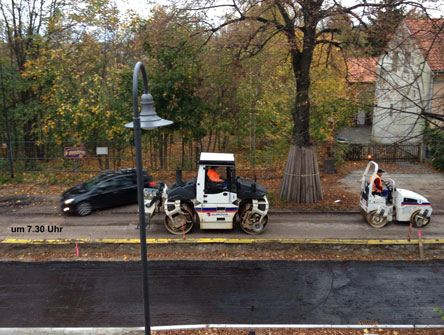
[{"x": 398, "y": 204}]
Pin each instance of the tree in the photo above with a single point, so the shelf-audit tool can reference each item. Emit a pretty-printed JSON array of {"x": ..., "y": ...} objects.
[
  {"x": 174, "y": 60},
  {"x": 303, "y": 23},
  {"x": 76, "y": 77},
  {"x": 384, "y": 22},
  {"x": 22, "y": 24}
]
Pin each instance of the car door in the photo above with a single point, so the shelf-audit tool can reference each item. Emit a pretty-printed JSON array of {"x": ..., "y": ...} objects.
[
  {"x": 127, "y": 190},
  {"x": 108, "y": 193},
  {"x": 222, "y": 194}
]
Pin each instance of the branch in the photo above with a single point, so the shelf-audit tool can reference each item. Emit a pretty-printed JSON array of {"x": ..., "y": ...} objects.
[
  {"x": 328, "y": 31},
  {"x": 436, "y": 116}
]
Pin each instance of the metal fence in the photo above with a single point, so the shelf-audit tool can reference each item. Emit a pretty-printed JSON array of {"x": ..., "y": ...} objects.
[
  {"x": 385, "y": 152},
  {"x": 51, "y": 156},
  {"x": 266, "y": 158}
]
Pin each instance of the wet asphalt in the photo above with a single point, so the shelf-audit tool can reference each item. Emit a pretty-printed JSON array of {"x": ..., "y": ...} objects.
[{"x": 108, "y": 294}]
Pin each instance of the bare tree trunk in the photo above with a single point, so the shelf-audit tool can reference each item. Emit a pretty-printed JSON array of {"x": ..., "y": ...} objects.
[
  {"x": 165, "y": 150},
  {"x": 190, "y": 147},
  {"x": 116, "y": 155},
  {"x": 215, "y": 141},
  {"x": 99, "y": 159},
  {"x": 209, "y": 140},
  {"x": 151, "y": 152},
  {"x": 183, "y": 153},
  {"x": 161, "y": 151},
  {"x": 225, "y": 142}
]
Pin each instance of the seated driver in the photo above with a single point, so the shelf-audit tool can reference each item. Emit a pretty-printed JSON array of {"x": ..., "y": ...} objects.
[
  {"x": 215, "y": 178},
  {"x": 213, "y": 175},
  {"x": 378, "y": 188}
]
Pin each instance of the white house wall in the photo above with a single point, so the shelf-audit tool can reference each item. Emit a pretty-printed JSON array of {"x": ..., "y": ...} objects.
[
  {"x": 438, "y": 97},
  {"x": 402, "y": 91}
]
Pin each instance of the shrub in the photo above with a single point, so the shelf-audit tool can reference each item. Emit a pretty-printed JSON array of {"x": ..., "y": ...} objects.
[
  {"x": 4, "y": 179},
  {"x": 435, "y": 148},
  {"x": 339, "y": 151}
]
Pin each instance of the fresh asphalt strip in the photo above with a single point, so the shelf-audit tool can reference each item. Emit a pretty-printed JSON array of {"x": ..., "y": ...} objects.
[{"x": 222, "y": 241}]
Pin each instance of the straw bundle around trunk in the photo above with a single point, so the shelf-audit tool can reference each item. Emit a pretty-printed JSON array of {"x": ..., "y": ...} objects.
[{"x": 301, "y": 182}]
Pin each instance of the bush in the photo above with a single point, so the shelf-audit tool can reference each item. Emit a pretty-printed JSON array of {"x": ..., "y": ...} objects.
[
  {"x": 435, "y": 148},
  {"x": 339, "y": 151},
  {"x": 4, "y": 179}
]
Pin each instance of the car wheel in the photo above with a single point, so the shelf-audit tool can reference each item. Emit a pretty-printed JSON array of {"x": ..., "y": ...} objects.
[
  {"x": 84, "y": 208},
  {"x": 418, "y": 221}
]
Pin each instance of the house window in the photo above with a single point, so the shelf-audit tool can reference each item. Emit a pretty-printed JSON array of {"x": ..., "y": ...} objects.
[
  {"x": 407, "y": 56},
  {"x": 395, "y": 61}
]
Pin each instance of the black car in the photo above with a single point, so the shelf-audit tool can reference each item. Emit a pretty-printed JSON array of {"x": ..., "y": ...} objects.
[{"x": 108, "y": 189}]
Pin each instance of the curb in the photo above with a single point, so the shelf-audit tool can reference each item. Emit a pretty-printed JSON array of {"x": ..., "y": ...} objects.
[{"x": 157, "y": 241}]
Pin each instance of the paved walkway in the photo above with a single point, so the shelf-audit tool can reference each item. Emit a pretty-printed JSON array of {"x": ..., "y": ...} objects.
[{"x": 357, "y": 135}]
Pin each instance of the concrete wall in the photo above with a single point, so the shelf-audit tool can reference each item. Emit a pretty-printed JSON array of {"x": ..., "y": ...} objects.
[{"x": 402, "y": 91}]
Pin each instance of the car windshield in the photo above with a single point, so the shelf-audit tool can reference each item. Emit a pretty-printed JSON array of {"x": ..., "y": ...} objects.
[{"x": 93, "y": 182}]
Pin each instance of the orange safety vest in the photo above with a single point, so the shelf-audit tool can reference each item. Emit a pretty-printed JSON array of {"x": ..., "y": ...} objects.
[
  {"x": 213, "y": 175},
  {"x": 374, "y": 189}
]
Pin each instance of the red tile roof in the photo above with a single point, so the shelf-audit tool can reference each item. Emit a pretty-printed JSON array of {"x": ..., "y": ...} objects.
[
  {"x": 429, "y": 36},
  {"x": 361, "y": 70}
]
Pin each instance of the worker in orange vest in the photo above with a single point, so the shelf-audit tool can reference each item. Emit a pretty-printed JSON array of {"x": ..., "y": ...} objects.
[
  {"x": 378, "y": 189},
  {"x": 213, "y": 175}
]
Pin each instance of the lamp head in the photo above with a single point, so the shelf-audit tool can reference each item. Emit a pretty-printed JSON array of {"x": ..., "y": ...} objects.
[{"x": 148, "y": 116}]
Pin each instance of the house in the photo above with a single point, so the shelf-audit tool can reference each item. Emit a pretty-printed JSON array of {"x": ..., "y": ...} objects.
[
  {"x": 410, "y": 82},
  {"x": 361, "y": 74}
]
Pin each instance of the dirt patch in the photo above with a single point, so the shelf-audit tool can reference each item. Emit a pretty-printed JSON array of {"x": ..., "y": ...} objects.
[
  {"x": 211, "y": 252},
  {"x": 293, "y": 331},
  {"x": 13, "y": 202}
]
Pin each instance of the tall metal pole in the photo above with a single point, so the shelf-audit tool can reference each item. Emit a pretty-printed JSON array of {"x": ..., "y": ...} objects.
[
  {"x": 8, "y": 138},
  {"x": 138, "y": 143}
]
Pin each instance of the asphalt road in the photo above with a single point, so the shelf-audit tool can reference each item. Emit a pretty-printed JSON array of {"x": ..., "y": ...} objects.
[
  {"x": 92, "y": 294},
  {"x": 111, "y": 224}
]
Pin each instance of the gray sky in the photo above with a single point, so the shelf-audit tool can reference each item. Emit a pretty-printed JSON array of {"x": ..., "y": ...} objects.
[{"x": 139, "y": 6}]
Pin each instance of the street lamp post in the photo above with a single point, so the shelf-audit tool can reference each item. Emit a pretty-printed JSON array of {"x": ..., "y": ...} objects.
[{"x": 148, "y": 119}]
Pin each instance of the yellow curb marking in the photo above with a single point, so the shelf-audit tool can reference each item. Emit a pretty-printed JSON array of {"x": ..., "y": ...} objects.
[{"x": 221, "y": 240}]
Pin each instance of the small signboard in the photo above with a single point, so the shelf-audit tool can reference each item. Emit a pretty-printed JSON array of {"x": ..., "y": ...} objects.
[
  {"x": 74, "y": 152},
  {"x": 101, "y": 151},
  {"x": 4, "y": 146}
]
